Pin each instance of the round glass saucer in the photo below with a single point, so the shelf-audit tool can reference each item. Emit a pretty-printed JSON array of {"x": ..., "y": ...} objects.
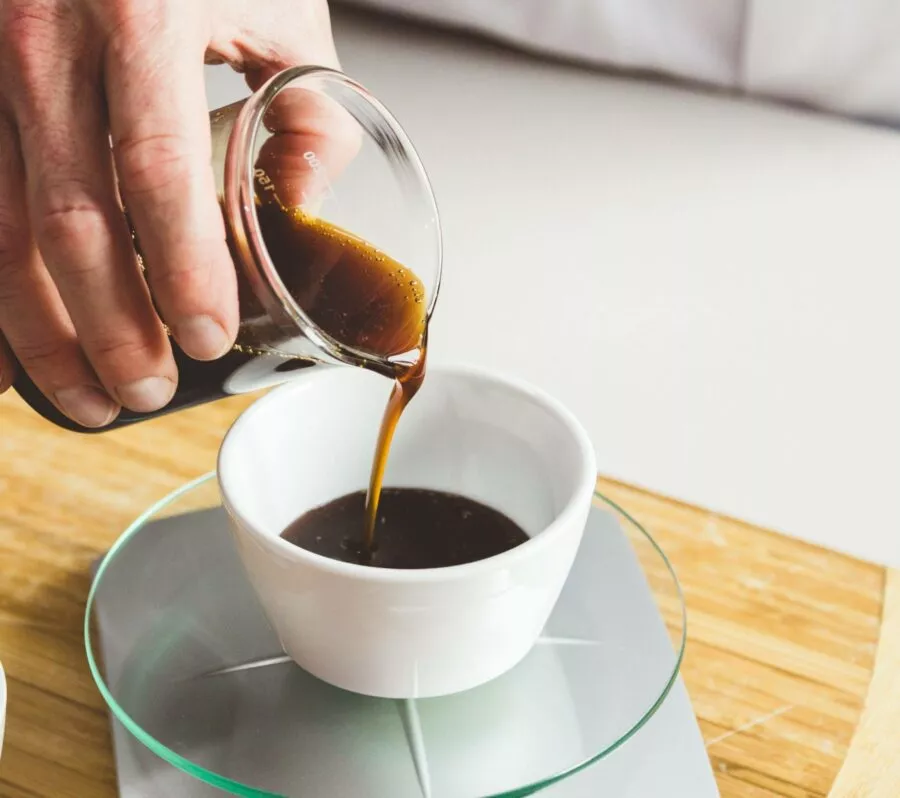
[{"x": 184, "y": 657}]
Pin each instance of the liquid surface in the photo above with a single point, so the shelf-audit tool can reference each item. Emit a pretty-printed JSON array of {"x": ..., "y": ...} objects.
[{"x": 414, "y": 529}]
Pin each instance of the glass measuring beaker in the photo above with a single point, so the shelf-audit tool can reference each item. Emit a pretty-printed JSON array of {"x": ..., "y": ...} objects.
[{"x": 309, "y": 168}]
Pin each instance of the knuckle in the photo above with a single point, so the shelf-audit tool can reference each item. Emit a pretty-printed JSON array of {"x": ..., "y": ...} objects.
[
  {"x": 39, "y": 355},
  {"x": 153, "y": 163},
  {"x": 120, "y": 347},
  {"x": 68, "y": 224},
  {"x": 142, "y": 36},
  {"x": 131, "y": 20},
  {"x": 34, "y": 35},
  {"x": 184, "y": 284},
  {"x": 118, "y": 353},
  {"x": 26, "y": 26}
]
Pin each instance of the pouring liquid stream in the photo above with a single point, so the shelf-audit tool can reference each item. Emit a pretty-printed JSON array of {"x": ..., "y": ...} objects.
[
  {"x": 361, "y": 297},
  {"x": 406, "y": 385}
]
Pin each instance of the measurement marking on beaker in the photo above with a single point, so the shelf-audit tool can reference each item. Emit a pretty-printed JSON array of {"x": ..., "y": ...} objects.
[{"x": 316, "y": 165}]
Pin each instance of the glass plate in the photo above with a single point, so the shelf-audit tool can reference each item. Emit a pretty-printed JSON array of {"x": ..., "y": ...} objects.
[{"x": 184, "y": 657}]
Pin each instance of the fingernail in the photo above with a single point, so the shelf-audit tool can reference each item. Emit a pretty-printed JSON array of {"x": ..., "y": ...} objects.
[
  {"x": 87, "y": 406},
  {"x": 202, "y": 338},
  {"x": 147, "y": 394}
]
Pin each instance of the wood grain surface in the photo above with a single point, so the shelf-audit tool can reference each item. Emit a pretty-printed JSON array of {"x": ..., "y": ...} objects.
[
  {"x": 782, "y": 635},
  {"x": 872, "y": 769}
]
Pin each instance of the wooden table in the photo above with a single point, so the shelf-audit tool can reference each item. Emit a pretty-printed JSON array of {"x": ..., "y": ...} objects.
[{"x": 783, "y": 637}]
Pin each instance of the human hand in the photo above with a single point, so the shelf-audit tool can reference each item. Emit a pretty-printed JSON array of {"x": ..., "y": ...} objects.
[{"x": 76, "y": 75}]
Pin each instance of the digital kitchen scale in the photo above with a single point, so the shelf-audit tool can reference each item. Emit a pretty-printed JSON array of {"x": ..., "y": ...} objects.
[{"x": 203, "y": 699}]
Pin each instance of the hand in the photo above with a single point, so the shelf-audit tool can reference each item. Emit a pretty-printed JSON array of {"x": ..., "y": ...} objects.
[{"x": 75, "y": 76}]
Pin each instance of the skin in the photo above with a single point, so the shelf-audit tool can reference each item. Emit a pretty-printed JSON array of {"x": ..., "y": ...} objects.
[{"x": 76, "y": 75}]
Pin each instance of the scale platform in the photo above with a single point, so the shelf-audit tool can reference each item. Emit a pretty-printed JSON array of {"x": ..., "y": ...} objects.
[{"x": 203, "y": 700}]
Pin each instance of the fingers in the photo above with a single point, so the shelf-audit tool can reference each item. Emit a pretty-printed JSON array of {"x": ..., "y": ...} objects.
[
  {"x": 74, "y": 213},
  {"x": 313, "y": 140},
  {"x": 161, "y": 143},
  {"x": 32, "y": 316},
  {"x": 84, "y": 241},
  {"x": 313, "y": 137},
  {"x": 254, "y": 39}
]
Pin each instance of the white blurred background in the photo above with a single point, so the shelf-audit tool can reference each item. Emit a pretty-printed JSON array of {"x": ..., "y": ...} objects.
[{"x": 711, "y": 283}]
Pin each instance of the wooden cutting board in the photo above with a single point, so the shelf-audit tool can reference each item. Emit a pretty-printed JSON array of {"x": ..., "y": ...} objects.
[{"x": 783, "y": 637}]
